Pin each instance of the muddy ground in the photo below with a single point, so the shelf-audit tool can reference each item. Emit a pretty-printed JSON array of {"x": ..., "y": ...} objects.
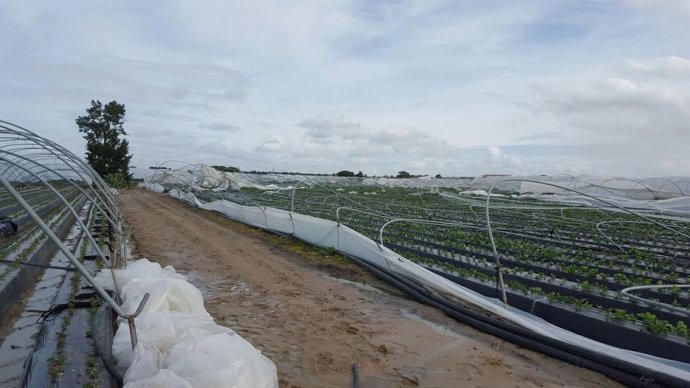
[{"x": 315, "y": 314}]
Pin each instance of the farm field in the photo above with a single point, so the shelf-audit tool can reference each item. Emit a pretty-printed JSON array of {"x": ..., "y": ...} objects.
[
  {"x": 315, "y": 315},
  {"x": 564, "y": 261}
]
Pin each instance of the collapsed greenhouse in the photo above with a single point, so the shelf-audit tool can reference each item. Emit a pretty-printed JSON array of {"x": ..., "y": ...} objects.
[
  {"x": 589, "y": 270},
  {"x": 73, "y": 311},
  {"x": 67, "y": 226}
]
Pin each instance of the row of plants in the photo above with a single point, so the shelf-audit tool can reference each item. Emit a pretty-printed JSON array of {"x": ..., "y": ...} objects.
[
  {"x": 11, "y": 208},
  {"x": 19, "y": 250},
  {"x": 57, "y": 361},
  {"x": 564, "y": 254},
  {"x": 558, "y": 246}
]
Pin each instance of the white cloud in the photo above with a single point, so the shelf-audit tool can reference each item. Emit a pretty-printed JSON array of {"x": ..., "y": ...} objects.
[
  {"x": 275, "y": 144},
  {"x": 384, "y": 86},
  {"x": 677, "y": 8},
  {"x": 221, "y": 127},
  {"x": 326, "y": 128},
  {"x": 666, "y": 67},
  {"x": 653, "y": 111},
  {"x": 637, "y": 120}
]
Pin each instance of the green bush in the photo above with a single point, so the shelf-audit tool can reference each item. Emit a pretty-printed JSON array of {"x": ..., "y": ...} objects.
[{"x": 117, "y": 180}]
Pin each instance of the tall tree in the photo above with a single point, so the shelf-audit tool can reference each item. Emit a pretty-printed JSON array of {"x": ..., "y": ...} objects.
[{"x": 106, "y": 151}]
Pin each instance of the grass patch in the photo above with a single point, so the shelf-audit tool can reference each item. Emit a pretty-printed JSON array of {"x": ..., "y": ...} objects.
[{"x": 326, "y": 259}]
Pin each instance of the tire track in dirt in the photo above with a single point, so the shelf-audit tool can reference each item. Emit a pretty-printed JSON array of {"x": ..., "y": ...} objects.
[{"x": 315, "y": 328}]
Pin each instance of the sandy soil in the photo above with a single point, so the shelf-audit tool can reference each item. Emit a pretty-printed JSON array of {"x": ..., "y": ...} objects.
[{"x": 315, "y": 326}]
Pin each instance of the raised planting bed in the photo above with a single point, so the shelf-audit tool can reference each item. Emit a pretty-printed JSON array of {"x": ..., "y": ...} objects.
[{"x": 551, "y": 253}]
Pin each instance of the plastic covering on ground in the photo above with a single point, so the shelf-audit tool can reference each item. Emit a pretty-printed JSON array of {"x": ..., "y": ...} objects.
[
  {"x": 156, "y": 187},
  {"x": 325, "y": 233},
  {"x": 179, "y": 344},
  {"x": 206, "y": 177}
]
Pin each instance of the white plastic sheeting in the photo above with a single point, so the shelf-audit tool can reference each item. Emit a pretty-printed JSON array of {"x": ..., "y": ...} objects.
[
  {"x": 637, "y": 189},
  {"x": 179, "y": 344},
  {"x": 648, "y": 193},
  {"x": 199, "y": 176},
  {"x": 325, "y": 233},
  {"x": 153, "y": 186}
]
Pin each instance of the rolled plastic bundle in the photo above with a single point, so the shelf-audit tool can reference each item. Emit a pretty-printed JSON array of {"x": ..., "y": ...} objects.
[
  {"x": 179, "y": 344},
  {"x": 162, "y": 330},
  {"x": 163, "y": 379},
  {"x": 165, "y": 294},
  {"x": 142, "y": 268},
  {"x": 216, "y": 360}
]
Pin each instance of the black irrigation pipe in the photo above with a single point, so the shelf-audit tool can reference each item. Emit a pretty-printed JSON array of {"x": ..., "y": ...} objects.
[
  {"x": 102, "y": 334},
  {"x": 355, "y": 376},
  {"x": 590, "y": 324},
  {"x": 617, "y": 369},
  {"x": 593, "y": 298}
]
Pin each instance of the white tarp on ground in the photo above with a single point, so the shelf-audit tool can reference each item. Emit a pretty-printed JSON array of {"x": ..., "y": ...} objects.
[
  {"x": 152, "y": 186},
  {"x": 179, "y": 344},
  {"x": 325, "y": 233}
]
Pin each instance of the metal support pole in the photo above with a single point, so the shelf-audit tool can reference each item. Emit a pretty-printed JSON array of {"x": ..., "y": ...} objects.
[
  {"x": 130, "y": 321},
  {"x": 87, "y": 232},
  {"x": 46, "y": 229}
]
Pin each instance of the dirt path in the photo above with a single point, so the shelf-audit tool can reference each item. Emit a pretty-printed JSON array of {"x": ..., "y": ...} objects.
[{"x": 315, "y": 327}]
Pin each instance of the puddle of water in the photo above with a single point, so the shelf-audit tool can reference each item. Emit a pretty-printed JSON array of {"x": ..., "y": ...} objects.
[
  {"x": 439, "y": 329},
  {"x": 240, "y": 288},
  {"x": 362, "y": 286},
  {"x": 211, "y": 285}
]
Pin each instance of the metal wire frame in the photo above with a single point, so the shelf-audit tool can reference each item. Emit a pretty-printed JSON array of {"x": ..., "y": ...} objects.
[
  {"x": 609, "y": 203},
  {"x": 627, "y": 291},
  {"x": 63, "y": 156},
  {"x": 160, "y": 170},
  {"x": 60, "y": 153},
  {"x": 191, "y": 182},
  {"x": 599, "y": 225},
  {"x": 667, "y": 181},
  {"x": 78, "y": 219},
  {"x": 194, "y": 183},
  {"x": 57, "y": 172},
  {"x": 22, "y": 139},
  {"x": 29, "y": 158},
  {"x": 68, "y": 171},
  {"x": 70, "y": 174},
  {"x": 617, "y": 192}
]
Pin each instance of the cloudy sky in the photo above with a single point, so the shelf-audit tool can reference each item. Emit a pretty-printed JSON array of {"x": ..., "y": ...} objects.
[{"x": 452, "y": 87}]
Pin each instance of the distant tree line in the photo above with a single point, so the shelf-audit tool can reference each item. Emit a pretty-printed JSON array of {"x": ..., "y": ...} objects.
[
  {"x": 343, "y": 173},
  {"x": 349, "y": 173},
  {"x": 258, "y": 172},
  {"x": 226, "y": 168},
  {"x": 360, "y": 174}
]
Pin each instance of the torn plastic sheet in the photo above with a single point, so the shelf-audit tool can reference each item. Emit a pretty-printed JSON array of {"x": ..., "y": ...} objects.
[{"x": 179, "y": 344}]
